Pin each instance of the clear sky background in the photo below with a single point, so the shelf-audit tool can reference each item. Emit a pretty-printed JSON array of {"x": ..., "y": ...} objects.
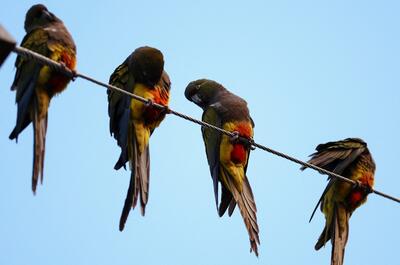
[{"x": 311, "y": 72}]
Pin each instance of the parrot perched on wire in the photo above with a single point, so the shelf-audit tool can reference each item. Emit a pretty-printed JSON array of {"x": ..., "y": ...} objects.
[
  {"x": 351, "y": 159},
  {"x": 36, "y": 84},
  {"x": 132, "y": 122},
  {"x": 227, "y": 158}
]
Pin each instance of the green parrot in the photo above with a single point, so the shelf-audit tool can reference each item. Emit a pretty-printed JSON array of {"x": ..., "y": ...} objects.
[
  {"x": 132, "y": 122},
  {"x": 36, "y": 84},
  {"x": 351, "y": 159},
  {"x": 227, "y": 158}
]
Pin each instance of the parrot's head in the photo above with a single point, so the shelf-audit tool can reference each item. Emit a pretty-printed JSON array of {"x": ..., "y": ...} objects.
[
  {"x": 203, "y": 92},
  {"x": 147, "y": 65},
  {"x": 38, "y": 16}
]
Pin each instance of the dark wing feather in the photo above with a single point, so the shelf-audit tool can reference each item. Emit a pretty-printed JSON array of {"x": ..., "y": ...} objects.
[
  {"x": 335, "y": 157},
  {"x": 26, "y": 77},
  {"x": 119, "y": 110},
  {"x": 165, "y": 82},
  {"x": 24, "y": 98},
  {"x": 212, "y": 140},
  {"x": 226, "y": 201}
]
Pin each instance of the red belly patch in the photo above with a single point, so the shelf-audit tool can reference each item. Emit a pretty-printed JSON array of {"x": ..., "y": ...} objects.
[
  {"x": 58, "y": 81},
  {"x": 239, "y": 152},
  {"x": 153, "y": 114},
  {"x": 356, "y": 196}
]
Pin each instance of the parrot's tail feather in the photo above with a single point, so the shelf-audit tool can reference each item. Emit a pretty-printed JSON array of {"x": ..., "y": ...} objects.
[
  {"x": 248, "y": 210},
  {"x": 39, "y": 131},
  {"x": 339, "y": 234},
  {"x": 131, "y": 196},
  {"x": 144, "y": 178},
  {"x": 128, "y": 203},
  {"x": 139, "y": 183},
  {"x": 232, "y": 206}
]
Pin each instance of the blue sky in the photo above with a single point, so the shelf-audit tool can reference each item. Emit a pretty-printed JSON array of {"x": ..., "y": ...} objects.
[{"x": 311, "y": 72}]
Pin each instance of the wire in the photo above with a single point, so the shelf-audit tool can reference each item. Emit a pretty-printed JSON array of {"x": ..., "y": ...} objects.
[{"x": 234, "y": 135}]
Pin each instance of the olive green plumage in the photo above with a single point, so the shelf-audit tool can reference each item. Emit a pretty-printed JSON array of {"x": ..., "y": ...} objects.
[
  {"x": 132, "y": 122},
  {"x": 36, "y": 84},
  {"x": 351, "y": 159},
  {"x": 227, "y": 158}
]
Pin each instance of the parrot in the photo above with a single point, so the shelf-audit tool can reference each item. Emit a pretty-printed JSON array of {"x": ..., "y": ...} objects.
[
  {"x": 227, "y": 157},
  {"x": 352, "y": 159},
  {"x": 132, "y": 122},
  {"x": 36, "y": 84}
]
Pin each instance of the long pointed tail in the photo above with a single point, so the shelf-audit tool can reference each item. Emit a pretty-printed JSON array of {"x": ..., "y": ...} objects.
[
  {"x": 143, "y": 170},
  {"x": 39, "y": 145},
  {"x": 337, "y": 232},
  {"x": 139, "y": 183},
  {"x": 248, "y": 210},
  {"x": 130, "y": 201},
  {"x": 340, "y": 234}
]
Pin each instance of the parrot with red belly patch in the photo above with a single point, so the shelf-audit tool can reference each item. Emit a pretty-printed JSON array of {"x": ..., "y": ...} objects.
[
  {"x": 132, "y": 122},
  {"x": 36, "y": 84},
  {"x": 227, "y": 158},
  {"x": 351, "y": 159}
]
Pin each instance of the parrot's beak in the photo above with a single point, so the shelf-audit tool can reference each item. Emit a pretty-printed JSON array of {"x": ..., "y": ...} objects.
[
  {"x": 191, "y": 92},
  {"x": 196, "y": 99},
  {"x": 49, "y": 16}
]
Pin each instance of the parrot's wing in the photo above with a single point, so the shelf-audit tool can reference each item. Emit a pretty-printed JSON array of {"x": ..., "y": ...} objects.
[
  {"x": 212, "y": 140},
  {"x": 226, "y": 201},
  {"x": 119, "y": 110},
  {"x": 335, "y": 157},
  {"x": 165, "y": 83},
  {"x": 26, "y": 77}
]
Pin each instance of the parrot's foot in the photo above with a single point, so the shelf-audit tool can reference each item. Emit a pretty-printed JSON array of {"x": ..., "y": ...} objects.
[
  {"x": 67, "y": 71},
  {"x": 163, "y": 110},
  {"x": 237, "y": 138},
  {"x": 149, "y": 103},
  {"x": 74, "y": 75},
  {"x": 366, "y": 188},
  {"x": 234, "y": 137}
]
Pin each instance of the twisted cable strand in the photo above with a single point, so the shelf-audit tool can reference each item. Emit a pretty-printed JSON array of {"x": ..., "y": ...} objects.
[{"x": 234, "y": 135}]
